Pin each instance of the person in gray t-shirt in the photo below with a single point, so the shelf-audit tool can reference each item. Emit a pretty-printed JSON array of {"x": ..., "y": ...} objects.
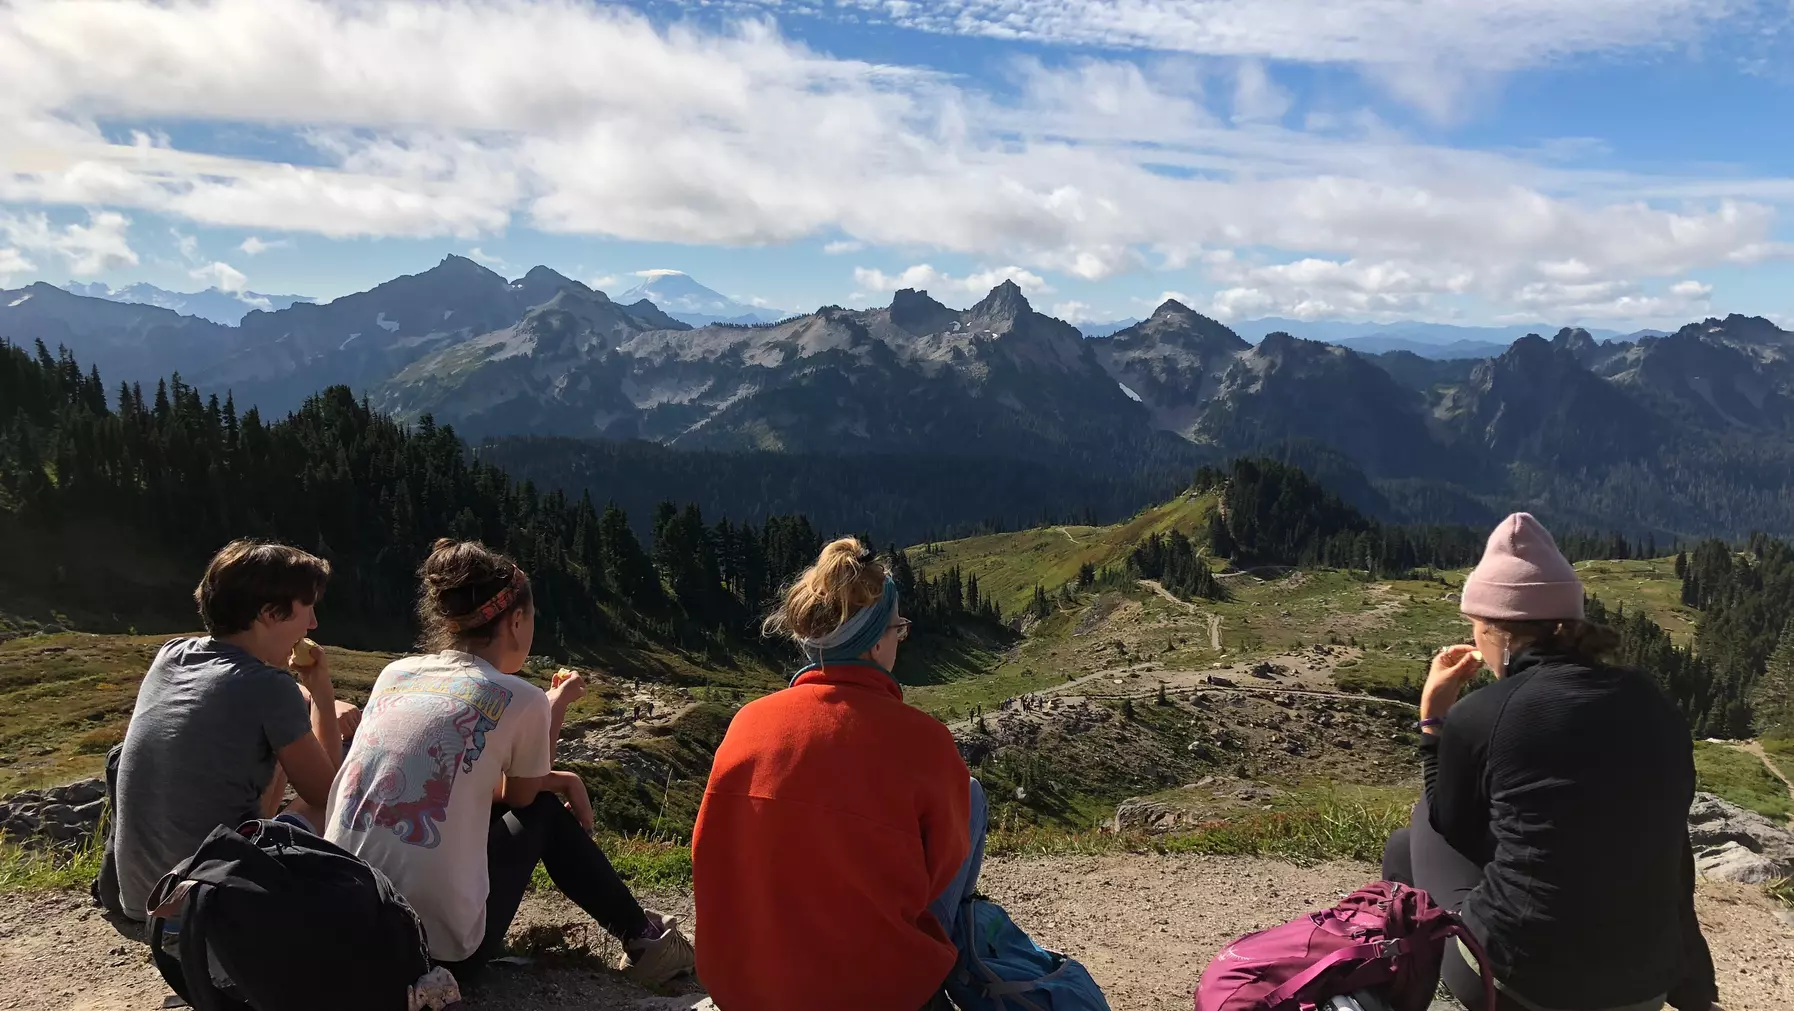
[{"x": 219, "y": 728}]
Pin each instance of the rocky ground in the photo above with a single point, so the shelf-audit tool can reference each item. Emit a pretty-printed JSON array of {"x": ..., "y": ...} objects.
[{"x": 1145, "y": 925}]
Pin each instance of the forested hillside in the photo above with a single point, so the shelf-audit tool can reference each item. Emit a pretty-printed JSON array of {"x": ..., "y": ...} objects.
[
  {"x": 109, "y": 506},
  {"x": 898, "y": 498}
]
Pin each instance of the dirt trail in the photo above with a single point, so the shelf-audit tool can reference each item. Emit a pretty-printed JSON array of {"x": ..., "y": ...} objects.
[
  {"x": 1756, "y": 748},
  {"x": 1145, "y": 925},
  {"x": 1214, "y": 620},
  {"x": 1068, "y": 535}
]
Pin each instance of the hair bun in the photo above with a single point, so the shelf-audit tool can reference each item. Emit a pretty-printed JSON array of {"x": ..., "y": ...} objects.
[{"x": 443, "y": 543}]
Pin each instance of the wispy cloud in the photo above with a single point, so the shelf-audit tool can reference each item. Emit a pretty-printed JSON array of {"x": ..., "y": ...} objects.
[
  {"x": 476, "y": 253},
  {"x": 1085, "y": 167},
  {"x": 1496, "y": 34},
  {"x": 254, "y": 246}
]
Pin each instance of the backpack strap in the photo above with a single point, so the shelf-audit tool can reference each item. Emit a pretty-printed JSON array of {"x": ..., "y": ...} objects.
[
  {"x": 1475, "y": 947},
  {"x": 196, "y": 961},
  {"x": 1297, "y": 983}
]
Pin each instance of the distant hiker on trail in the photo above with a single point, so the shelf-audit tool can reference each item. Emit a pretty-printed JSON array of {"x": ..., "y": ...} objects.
[
  {"x": 449, "y": 788},
  {"x": 1555, "y": 818},
  {"x": 220, "y": 728},
  {"x": 840, "y": 830}
]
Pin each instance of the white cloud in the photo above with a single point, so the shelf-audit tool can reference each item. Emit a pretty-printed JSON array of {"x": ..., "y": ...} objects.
[
  {"x": 841, "y": 246},
  {"x": 1496, "y": 34},
  {"x": 1074, "y": 312},
  {"x": 13, "y": 263},
  {"x": 708, "y": 137},
  {"x": 476, "y": 253},
  {"x": 99, "y": 245},
  {"x": 187, "y": 244},
  {"x": 604, "y": 283},
  {"x": 254, "y": 246},
  {"x": 1256, "y": 98},
  {"x": 1690, "y": 289},
  {"x": 220, "y": 275},
  {"x": 926, "y": 278},
  {"x": 659, "y": 272}
]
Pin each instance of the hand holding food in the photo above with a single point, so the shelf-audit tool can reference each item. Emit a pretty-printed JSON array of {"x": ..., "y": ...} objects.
[
  {"x": 566, "y": 687},
  {"x": 305, "y": 654},
  {"x": 1451, "y": 668}
]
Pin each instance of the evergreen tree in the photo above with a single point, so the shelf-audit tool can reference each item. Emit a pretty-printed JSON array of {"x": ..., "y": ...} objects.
[{"x": 1772, "y": 697}]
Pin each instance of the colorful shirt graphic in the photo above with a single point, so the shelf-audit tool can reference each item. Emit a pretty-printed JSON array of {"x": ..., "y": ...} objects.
[
  {"x": 414, "y": 797},
  {"x": 420, "y": 730}
]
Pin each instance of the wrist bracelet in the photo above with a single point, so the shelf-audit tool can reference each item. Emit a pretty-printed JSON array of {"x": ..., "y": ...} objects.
[{"x": 1431, "y": 721}]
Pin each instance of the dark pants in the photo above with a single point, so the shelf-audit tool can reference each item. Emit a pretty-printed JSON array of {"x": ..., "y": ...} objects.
[
  {"x": 1420, "y": 857},
  {"x": 546, "y": 832}
]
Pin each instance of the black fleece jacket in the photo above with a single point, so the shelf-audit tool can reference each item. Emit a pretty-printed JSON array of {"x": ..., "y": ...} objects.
[{"x": 1571, "y": 785}]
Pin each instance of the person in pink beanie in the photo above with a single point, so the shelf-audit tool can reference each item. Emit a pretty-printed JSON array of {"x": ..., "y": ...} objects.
[{"x": 1554, "y": 820}]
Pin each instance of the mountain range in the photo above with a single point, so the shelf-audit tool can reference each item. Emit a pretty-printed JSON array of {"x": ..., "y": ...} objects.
[
  {"x": 1682, "y": 433},
  {"x": 215, "y": 304}
]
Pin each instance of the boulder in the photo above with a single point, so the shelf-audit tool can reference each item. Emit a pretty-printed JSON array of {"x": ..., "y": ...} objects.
[
  {"x": 85, "y": 792},
  {"x": 61, "y": 814},
  {"x": 1734, "y": 844},
  {"x": 1735, "y": 862}
]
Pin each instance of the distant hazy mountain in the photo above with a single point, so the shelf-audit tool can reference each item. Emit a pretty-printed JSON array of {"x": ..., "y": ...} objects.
[
  {"x": 1105, "y": 329},
  {"x": 215, "y": 304},
  {"x": 1412, "y": 331},
  {"x": 684, "y": 299},
  {"x": 1383, "y": 344}
]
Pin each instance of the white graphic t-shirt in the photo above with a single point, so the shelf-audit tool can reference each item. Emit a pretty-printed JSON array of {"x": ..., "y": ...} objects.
[{"x": 414, "y": 797}]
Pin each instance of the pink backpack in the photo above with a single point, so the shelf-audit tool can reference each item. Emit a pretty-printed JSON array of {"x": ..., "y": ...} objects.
[{"x": 1387, "y": 937}]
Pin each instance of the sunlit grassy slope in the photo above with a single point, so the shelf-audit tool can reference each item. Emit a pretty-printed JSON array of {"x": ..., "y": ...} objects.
[{"x": 1009, "y": 565}]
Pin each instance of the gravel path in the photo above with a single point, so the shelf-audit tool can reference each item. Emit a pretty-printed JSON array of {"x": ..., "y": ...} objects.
[{"x": 1145, "y": 925}]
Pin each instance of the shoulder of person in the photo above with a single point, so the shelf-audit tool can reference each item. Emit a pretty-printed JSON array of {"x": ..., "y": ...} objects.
[
  {"x": 522, "y": 690},
  {"x": 1490, "y": 699}
]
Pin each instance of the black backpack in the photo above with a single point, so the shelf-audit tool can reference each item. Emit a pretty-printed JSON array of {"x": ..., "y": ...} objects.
[{"x": 285, "y": 921}]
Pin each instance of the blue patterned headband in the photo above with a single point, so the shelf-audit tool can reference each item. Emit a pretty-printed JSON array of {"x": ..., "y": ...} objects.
[{"x": 857, "y": 634}]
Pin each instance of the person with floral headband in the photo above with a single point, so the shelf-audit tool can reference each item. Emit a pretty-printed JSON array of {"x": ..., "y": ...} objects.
[{"x": 449, "y": 788}]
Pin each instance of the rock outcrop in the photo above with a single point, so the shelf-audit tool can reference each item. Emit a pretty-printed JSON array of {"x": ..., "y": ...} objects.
[
  {"x": 1733, "y": 844},
  {"x": 66, "y": 815}
]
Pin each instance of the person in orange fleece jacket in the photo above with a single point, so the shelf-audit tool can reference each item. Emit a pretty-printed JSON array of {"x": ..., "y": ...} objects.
[{"x": 840, "y": 831}]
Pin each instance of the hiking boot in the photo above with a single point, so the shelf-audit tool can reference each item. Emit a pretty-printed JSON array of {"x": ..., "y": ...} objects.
[{"x": 654, "y": 961}]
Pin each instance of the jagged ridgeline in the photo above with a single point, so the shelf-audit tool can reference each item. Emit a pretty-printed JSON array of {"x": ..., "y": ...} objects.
[{"x": 110, "y": 504}]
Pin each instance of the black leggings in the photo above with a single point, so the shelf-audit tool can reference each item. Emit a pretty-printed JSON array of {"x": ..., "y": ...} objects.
[
  {"x": 1420, "y": 857},
  {"x": 547, "y": 832}
]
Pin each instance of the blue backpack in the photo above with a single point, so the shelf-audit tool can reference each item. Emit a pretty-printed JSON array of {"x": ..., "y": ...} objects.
[{"x": 1002, "y": 969}]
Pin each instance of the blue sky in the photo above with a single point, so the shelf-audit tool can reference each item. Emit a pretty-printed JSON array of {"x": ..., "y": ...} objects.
[{"x": 1613, "y": 163}]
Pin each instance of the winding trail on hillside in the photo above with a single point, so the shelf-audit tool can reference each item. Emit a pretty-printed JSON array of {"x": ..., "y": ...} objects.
[
  {"x": 1756, "y": 748},
  {"x": 1068, "y": 535},
  {"x": 1214, "y": 620}
]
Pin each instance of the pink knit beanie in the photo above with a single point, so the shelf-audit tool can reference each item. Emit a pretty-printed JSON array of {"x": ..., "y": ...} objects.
[{"x": 1522, "y": 577}]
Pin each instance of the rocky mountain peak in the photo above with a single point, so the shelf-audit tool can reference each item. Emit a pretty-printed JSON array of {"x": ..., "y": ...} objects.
[
  {"x": 1005, "y": 300},
  {"x": 917, "y": 313}
]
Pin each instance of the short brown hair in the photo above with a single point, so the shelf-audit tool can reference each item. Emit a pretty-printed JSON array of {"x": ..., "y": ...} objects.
[
  {"x": 457, "y": 579},
  {"x": 845, "y": 579},
  {"x": 247, "y": 577}
]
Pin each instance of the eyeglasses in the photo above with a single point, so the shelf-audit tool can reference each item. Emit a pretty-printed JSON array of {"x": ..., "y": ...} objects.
[{"x": 902, "y": 627}]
